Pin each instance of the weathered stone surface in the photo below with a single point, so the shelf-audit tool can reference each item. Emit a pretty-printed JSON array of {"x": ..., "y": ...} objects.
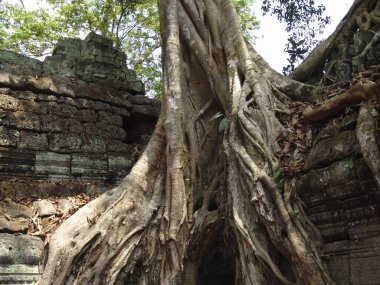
[
  {"x": 65, "y": 142},
  {"x": 94, "y": 144},
  {"x": 86, "y": 165},
  {"x": 34, "y": 141},
  {"x": 87, "y": 116},
  {"x": 52, "y": 163},
  {"x": 15, "y": 210},
  {"x": 361, "y": 39},
  {"x": 16, "y": 162},
  {"x": 9, "y": 103},
  {"x": 16, "y": 274},
  {"x": 19, "y": 59},
  {"x": 108, "y": 118},
  {"x": 8, "y": 137},
  {"x": 117, "y": 146},
  {"x": 143, "y": 100},
  {"x": 46, "y": 188},
  {"x": 72, "y": 126},
  {"x": 64, "y": 205},
  {"x": 146, "y": 111},
  {"x": 52, "y": 124},
  {"x": 20, "y": 249},
  {"x": 354, "y": 262},
  {"x": 63, "y": 131},
  {"x": 119, "y": 163},
  {"x": 44, "y": 208},
  {"x": 13, "y": 225},
  {"x": 332, "y": 149},
  {"x": 93, "y": 60},
  {"x": 14, "y": 217},
  {"x": 21, "y": 120}
]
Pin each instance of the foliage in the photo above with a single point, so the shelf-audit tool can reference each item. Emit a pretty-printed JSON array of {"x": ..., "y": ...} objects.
[
  {"x": 29, "y": 32},
  {"x": 134, "y": 27},
  {"x": 132, "y": 24},
  {"x": 304, "y": 20},
  {"x": 248, "y": 21}
]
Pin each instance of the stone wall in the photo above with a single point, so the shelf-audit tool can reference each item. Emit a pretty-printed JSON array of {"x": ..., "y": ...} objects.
[
  {"x": 343, "y": 201},
  {"x": 84, "y": 127},
  {"x": 347, "y": 59},
  {"x": 73, "y": 124}
]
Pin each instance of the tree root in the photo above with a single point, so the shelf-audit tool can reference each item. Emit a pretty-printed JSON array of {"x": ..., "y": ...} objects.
[
  {"x": 366, "y": 134},
  {"x": 361, "y": 91}
]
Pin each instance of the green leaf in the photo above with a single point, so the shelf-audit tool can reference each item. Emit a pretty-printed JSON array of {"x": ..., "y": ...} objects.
[{"x": 223, "y": 124}]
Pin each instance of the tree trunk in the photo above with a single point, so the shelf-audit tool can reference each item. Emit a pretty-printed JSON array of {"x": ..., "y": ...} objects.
[{"x": 206, "y": 176}]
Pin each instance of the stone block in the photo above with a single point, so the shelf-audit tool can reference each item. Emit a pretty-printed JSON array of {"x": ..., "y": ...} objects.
[
  {"x": 120, "y": 111},
  {"x": 364, "y": 262},
  {"x": 112, "y": 132},
  {"x": 130, "y": 75},
  {"x": 86, "y": 165},
  {"x": 143, "y": 100},
  {"x": 339, "y": 268},
  {"x": 118, "y": 146},
  {"x": 65, "y": 205},
  {"x": 108, "y": 118},
  {"x": 148, "y": 111},
  {"x": 52, "y": 124},
  {"x": 19, "y": 59},
  {"x": 15, "y": 210},
  {"x": 68, "y": 142},
  {"x": 20, "y": 249},
  {"x": 119, "y": 163},
  {"x": 66, "y": 111},
  {"x": 86, "y": 115},
  {"x": 31, "y": 106},
  {"x": 94, "y": 38},
  {"x": 16, "y": 162},
  {"x": 9, "y": 103},
  {"x": 21, "y": 120},
  {"x": 134, "y": 87},
  {"x": 332, "y": 149},
  {"x": 94, "y": 144},
  {"x": 340, "y": 180},
  {"x": 8, "y": 137},
  {"x": 19, "y": 225},
  {"x": 72, "y": 126},
  {"x": 33, "y": 141},
  {"x": 44, "y": 208},
  {"x": 52, "y": 163},
  {"x": 15, "y": 274}
]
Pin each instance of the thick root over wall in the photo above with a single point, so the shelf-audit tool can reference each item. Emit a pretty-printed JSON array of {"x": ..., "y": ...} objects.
[{"x": 205, "y": 174}]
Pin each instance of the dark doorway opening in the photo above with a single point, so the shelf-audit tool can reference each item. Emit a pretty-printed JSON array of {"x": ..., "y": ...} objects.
[
  {"x": 218, "y": 266},
  {"x": 139, "y": 128}
]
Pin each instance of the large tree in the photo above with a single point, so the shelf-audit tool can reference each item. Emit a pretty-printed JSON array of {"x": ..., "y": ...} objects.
[{"x": 210, "y": 169}]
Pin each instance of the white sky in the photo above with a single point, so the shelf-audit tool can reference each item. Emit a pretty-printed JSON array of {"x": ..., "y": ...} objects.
[{"x": 271, "y": 37}]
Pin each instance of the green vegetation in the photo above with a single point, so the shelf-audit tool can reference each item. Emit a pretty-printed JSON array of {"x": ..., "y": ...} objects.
[
  {"x": 304, "y": 21},
  {"x": 134, "y": 27}
]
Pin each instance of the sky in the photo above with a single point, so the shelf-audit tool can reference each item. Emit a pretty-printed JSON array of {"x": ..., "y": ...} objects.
[{"x": 271, "y": 36}]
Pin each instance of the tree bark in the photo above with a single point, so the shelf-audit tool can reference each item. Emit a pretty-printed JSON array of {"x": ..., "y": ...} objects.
[{"x": 207, "y": 172}]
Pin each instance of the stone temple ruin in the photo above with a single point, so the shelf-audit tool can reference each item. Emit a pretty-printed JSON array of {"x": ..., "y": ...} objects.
[{"x": 73, "y": 124}]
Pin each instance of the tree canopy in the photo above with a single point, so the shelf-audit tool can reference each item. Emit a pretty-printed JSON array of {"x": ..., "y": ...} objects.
[{"x": 134, "y": 27}]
